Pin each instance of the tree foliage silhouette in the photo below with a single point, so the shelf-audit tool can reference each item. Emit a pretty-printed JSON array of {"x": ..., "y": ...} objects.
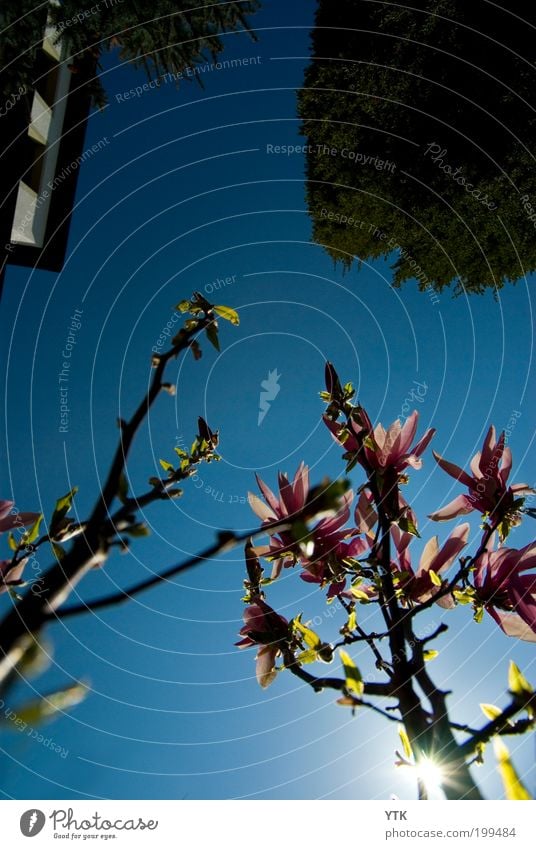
[{"x": 420, "y": 125}]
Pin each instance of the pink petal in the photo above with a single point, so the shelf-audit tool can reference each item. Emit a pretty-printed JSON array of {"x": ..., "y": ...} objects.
[
  {"x": 265, "y": 665},
  {"x": 513, "y": 625},
  {"x": 380, "y": 436},
  {"x": 277, "y": 568},
  {"x": 429, "y": 553},
  {"x": 5, "y": 507},
  {"x": 407, "y": 434},
  {"x": 446, "y": 602},
  {"x": 268, "y": 495},
  {"x": 413, "y": 461},
  {"x": 527, "y": 559},
  {"x": 333, "y": 523},
  {"x": 460, "y": 506},
  {"x": 301, "y": 485},
  {"x": 11, "y": 575},
  {"x": 451, "y": 549},
  {"x": 287, "y": 499},
  {"x": 260, "y": 508},
  {"x": 424, "y": 442},
  {"x": 365, "y": 515},
  {"x": 475, "y": 465},
  {"x": 506, "y": 465},
  {"x": 487, "y": 450},
  {"x": 522, "y": 489},
  {"x": 524, "y": 603},
  {"x": 17, "y": 520},
  {"x": 453, "y": 470}
]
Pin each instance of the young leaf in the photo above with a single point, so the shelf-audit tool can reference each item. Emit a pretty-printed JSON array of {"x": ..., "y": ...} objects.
[
  {"x": 406, "y": 745},
  {"x": 309, "y": 637},
  {"x": 308, "y": 656},
  {"x": 33, "y": 532},
  {"x": 408, "y": 527},
  {"x": 354, "y": 679},
  {"x": 228, "y": 314},
  {"x": 514, "y": 789},
  {"x": 40, "y": 710},
  {"x": 138, "y": 530},
  {"x": 430, "y": 654},
  {"x": 434, "y": 577},
  {"x": 63, "y": 505},
  {"x": 167, "y": 467},
  {"x": 517, "y": 683},
  {"x": 491, "y": 712}
]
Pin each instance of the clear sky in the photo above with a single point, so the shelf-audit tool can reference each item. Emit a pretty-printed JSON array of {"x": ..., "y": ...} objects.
[{"x": 181, "y": 194}]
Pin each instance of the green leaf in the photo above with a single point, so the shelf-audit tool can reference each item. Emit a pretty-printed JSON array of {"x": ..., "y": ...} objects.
[
  {"x": 40, "y": 710},
  {"x": 139, "y": 530},
  {"x": 309, "y": 637},
  {"x": 167, "y": 467},
  {"x": 430, "y": 654},
  {"x": 212, "y": 335},
  {"x": 33, "y": 532},
  {"x": 352, "y": 621},
  {"x": 228, "y": 314},
  {"x": 308, "y": 656},
  {"x": 354, "y": 679},
  {"x": 514, "y": 789},
  {"x": 183, "y": 306},
  {"x": 462, "y": 596},
  {"x": 408, "y": 527},
  {"x": 478, "y": 615},
  {"x": 517, "y": 683},
  {"x": 406, "y": 745},
  {"x": 434, "y": 577},
  {"x": 12, "y": 542},
  {"x": 358, "y": 594},
  {"x": 490, "y": 711},
  {"x": 63, "y": 505}
]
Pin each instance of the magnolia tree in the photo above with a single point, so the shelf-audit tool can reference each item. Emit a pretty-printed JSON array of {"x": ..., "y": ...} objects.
[{"x": 368, "y": 562}]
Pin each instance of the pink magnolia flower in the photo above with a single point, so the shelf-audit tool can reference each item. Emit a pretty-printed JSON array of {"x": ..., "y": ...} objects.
[
  {"x": 10, "y": 520},
  {"x": 509, "y": 595},
  {"x": 267, "y": 629},
  {"x": 487, "y": 485},
  {"x": 10, "y": 576},
  {"x": 322, "y": 550},
  {"x": 382, "y": 449},
  {"x": 419, "y": 585}
]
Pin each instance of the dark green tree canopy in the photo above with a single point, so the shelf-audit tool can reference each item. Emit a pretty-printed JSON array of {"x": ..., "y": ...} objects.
[
  {"x": 421, "y": 126},
  {"x": 164, "y": 36}
]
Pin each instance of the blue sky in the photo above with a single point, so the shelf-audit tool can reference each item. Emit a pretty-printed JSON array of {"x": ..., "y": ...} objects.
[{"x": 182, "y": 194}]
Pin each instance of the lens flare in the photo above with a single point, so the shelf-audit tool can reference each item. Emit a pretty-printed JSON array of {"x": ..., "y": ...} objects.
[{"x": 430, "y": 774}]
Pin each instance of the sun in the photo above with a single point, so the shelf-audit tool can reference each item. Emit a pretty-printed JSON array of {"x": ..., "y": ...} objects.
[{"x": 431, "y": 774}]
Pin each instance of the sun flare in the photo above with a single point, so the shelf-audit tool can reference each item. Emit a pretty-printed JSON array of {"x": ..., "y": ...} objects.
[{"x": 431, "y": 774}]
